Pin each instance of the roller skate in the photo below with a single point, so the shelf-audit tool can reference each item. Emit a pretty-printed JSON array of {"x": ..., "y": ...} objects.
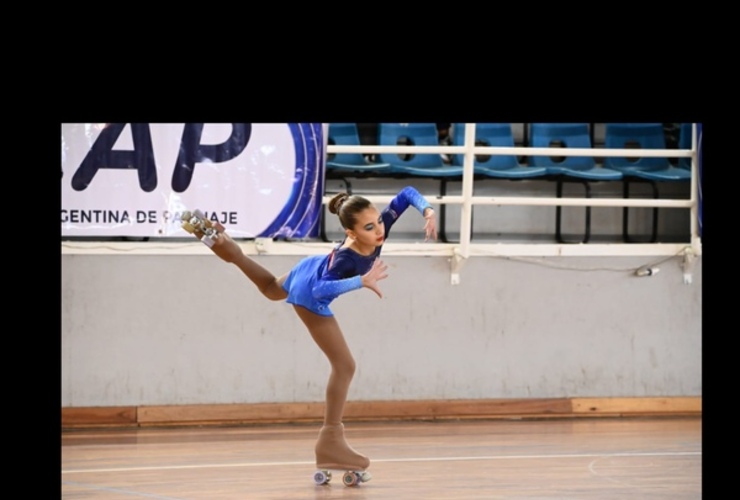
[
  {"x": 333, "y": 453},
  {"x": 205, "y": 230}
]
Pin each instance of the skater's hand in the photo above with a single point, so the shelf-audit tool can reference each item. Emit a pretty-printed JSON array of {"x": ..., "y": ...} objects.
[
  {"x": 376, "y": 273},
  {"x": 430, "y": 226}
]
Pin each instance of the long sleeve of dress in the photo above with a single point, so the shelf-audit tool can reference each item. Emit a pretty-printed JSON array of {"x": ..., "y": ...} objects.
[
  {"x": 408, "y": 196},
  {"x": 329, "y": 289}
]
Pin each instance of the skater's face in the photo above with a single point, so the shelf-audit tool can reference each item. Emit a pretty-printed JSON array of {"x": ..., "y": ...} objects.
[{"x": 369, "y": 230}]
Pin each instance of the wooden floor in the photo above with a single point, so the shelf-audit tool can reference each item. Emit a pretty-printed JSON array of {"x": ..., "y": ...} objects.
[{"x": 590, "y": 458}]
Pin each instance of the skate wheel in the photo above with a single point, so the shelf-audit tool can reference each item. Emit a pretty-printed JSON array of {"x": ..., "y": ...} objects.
[
  {"x": 364, "y": 476},
  {"x": 186, "y": 216},
  {"x": 199, "y": 214},
  {"x": 322, "y": 477},
  {"x": 350, "y": 478},
  {"x": 187, "y": 226}
]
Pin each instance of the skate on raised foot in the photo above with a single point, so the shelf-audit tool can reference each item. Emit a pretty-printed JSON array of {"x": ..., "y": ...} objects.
[
  {"x": 349, "y": 478},
  {"x": 205, "y": 230},
  {"x": 333, "y": 453}
]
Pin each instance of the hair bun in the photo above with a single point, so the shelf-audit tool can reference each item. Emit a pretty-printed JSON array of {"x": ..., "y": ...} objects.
[{"x": 336, "y": 202}]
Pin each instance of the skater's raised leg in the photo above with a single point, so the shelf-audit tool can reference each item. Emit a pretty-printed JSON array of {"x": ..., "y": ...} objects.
[{"x": 229, "y": 251}]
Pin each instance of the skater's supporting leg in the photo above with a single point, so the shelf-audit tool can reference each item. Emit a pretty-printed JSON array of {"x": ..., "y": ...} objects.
[
  {"x": 332, "y": 450},
  {"x": 328, "y": 336}
]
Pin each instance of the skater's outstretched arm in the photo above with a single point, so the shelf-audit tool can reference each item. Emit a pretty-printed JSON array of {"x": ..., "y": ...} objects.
[
  {"x": 329, "y": 287},
  {"x": 409, "y": 196}
]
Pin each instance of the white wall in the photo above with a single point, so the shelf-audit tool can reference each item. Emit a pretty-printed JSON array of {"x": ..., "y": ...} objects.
[{"x": 169, "y": 329}]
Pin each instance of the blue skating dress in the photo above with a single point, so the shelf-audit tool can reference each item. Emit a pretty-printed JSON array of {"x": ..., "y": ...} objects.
[{"x": 319, "y": 279}]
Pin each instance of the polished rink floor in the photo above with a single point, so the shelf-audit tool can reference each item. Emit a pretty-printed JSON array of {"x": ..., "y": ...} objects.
[{"x": 589, "y": 458}]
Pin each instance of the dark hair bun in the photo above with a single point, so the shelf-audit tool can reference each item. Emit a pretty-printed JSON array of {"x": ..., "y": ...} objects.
[{"x": 336, "y": 202}]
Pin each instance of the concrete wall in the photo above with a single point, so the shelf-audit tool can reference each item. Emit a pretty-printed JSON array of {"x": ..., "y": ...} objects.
[{"x": 169, "y": 329}]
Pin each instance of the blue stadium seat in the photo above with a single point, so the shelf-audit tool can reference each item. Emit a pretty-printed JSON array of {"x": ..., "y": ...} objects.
[
  {"x": 641, "y": 169},
  {"x": 353, "y": 164},
  {"x": 496, "y": 166},
  {"x": 410, "y": 164},
  {"x": 427, "y": 165},
  {"x": 493, "y": 166},
  {"x": 344, "y": 166},
  {"x": 581, "y": 169}
]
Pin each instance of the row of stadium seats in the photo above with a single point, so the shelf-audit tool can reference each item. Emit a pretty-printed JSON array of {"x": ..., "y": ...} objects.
[{"x": 584, "y": 170}]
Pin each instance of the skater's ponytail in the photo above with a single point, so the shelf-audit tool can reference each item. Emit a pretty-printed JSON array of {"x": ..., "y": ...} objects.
[{"x": 347, "y": 207}]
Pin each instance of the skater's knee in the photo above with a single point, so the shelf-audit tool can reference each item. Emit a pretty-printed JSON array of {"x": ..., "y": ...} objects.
[
  {"x": 273, "y": 291},
  {"x": 270, "y": 294},
  {"x": 345, "y": 368}
]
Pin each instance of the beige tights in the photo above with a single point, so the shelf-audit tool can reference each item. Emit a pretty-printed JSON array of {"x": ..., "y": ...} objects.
[
  {"x": 332, "y": 450},
  {"x": 270, "y": 286}
]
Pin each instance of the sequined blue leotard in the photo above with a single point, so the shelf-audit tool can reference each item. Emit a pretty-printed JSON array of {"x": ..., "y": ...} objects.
[{"x": 319, "y": 279}]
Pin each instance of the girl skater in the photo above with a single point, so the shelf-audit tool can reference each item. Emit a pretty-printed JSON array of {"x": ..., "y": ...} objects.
[{"x": 316, "y": 281}]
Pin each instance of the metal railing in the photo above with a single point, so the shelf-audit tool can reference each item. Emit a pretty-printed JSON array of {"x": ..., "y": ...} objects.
[{"x": 469, "y": 150}]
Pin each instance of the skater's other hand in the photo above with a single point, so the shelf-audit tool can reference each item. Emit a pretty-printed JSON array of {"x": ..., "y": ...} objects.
[
  {"x": 430, "y": 225},
  {"x": 376, "y": 273}
]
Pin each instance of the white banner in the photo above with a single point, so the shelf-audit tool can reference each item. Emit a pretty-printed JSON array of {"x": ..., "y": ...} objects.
[{"x": 135, "y": 179}]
